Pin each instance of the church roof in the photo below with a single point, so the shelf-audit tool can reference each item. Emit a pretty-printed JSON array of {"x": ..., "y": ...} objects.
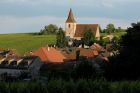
[
  {"x": 82, "y": 28},
  {"x": 70, "y": 17}
]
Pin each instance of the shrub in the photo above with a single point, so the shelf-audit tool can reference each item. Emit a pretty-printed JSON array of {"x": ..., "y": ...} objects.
[
  {"x": 69, "y": 87},
  {"x": 82, "y": 86},
  {"x": 55, "y": 86}
]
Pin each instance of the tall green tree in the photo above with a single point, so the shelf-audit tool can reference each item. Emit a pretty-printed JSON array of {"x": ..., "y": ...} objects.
[
  {"x": 60, "y": 38},
  {"x": 50, "y": 29},
  {"x": 119, "y": 29},
  {"x": 102, "y": 42},
  {"x": 127, "y": 65},
  {"x": 85, "y": 70},
  {"x": 110, "y": 28},
  {"x": 88, "y": 38}
]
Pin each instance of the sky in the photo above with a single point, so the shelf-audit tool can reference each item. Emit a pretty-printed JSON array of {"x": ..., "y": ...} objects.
[{"x": 20, "y": 16}]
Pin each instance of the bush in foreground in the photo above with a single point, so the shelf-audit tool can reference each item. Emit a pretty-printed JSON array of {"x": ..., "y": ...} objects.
[{"x": 79, "y": 86}]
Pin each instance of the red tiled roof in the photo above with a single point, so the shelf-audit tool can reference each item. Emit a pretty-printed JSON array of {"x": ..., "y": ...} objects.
[
  {"x": 70, "y": 56},
  {"x": 82, "y": 28},
  {"x": 97, "y": 47},
  {"x": 49, "y": 55},
  {"x": 70, "y": 18},
  {"x": 88, "y": 52}
]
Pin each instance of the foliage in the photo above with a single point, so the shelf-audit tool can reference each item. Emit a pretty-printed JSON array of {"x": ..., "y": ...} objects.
[
  {"x": 57, "y": 74},
  {"x": 119, "y": 29},
  {"x": 82, "y": 86},
  {"x": 50, "y": 29},
  {"x": 60, "y": 38},
  {"x": 126, "y": 65},
  {"x": 25, "y": 42},
  {"x": 69, "y": 87},
  {"x": 79, "y": 86},
  {"x": 115, "y": 44},
  {"x": 55, "y": 86},
  {"x": 85, "y": 70},
  {"x": 116, "y": 34},
  {"x": 102, "y": 42},
  {"x": 88, "y": 38},
  {"x": 110, "y": 28}
]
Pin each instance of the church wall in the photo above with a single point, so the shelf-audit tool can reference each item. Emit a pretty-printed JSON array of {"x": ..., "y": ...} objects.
[
  {"x": 70, "y": 29},
  {"x": 97, "y": 35},
  {"x": 77, "y": 38}
]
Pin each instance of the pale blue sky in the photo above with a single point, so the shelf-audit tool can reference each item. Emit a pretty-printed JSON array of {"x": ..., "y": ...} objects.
[{"x": 17, "y": 16}]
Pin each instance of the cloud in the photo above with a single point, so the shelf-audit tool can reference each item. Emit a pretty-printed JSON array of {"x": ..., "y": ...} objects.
[
  {"x": 10, "y": 24},
  {"x": 105, "y": 3},
  {"x": 104, "y": 21},
  {"x": 32, "y": 15}
]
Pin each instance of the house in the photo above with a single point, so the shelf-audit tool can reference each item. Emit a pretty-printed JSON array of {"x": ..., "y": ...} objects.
[
  {"x": 14, "y": 66},
  {"x": 50, "y": 55},
  {"x": 76, "y": 31},
  {"x": 74, "y": 54},
  {"x": 34, "y": 65},
  {"x": 7, "y": 52}
]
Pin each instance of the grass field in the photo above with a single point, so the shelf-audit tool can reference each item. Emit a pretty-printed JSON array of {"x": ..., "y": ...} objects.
[
  {"x": 25, "y": 42},
  {"x": 117, "y": 34}
]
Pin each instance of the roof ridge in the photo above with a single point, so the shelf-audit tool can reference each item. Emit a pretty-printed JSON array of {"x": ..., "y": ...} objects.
[{"x": 87, "y": 24}]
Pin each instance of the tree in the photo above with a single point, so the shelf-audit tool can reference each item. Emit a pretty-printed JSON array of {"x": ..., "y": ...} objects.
[
  {"x": 88, "y": 38},
  {"x": 110, "y": 28},
  {"x": 102, "y": 42},
  {"x": 85, "y": 69},
  {"x": 60, "y": 38},
  {"x": 50, "y": 29},
  {"x": 115, "y": 44},
  {"x": 119, "y": 29},
  {"x": 126, "y": 65}
]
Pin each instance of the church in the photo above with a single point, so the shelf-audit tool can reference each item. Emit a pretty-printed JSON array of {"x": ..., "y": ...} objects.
[{"x": 76, "y": 31}]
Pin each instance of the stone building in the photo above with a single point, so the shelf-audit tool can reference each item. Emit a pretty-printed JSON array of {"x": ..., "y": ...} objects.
[{"x": 76, "y": 31}]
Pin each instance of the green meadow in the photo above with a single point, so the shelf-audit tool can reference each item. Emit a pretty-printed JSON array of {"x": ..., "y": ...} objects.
[
  {"x": 117, "y": 34},
  {"x": 24, "y": 43}
]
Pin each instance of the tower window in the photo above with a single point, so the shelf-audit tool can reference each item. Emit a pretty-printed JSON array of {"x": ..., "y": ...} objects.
[{"x": 69, "y": 25}]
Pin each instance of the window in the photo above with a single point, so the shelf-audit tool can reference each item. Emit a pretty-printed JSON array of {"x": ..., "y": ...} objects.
[{"x": 69, "y": 25}]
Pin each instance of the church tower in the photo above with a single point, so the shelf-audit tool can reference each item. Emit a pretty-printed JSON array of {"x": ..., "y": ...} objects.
[{"x": 70, "y": 25}]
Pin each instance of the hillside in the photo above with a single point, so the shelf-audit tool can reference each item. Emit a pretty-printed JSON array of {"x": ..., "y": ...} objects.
[
  {"x": 25, "y": 42},
  {"x": 117, "y": 34}
]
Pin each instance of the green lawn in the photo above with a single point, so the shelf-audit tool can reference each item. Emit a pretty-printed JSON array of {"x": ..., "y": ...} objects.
[
  {"x": 25, "y": 42},
  {"x": 117, "y": 34}
]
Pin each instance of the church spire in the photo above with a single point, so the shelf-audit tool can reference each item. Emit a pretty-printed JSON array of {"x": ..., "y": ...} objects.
[{"x": 70, "y": 18}]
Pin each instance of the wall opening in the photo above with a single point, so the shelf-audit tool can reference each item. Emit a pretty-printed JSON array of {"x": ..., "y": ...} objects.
[{"x": 69, "y": 25}]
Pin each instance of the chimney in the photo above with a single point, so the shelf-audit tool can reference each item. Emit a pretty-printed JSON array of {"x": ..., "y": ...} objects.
[
  {"x": 48, "y": 48},
  {"x": 31, "y": 52}
]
